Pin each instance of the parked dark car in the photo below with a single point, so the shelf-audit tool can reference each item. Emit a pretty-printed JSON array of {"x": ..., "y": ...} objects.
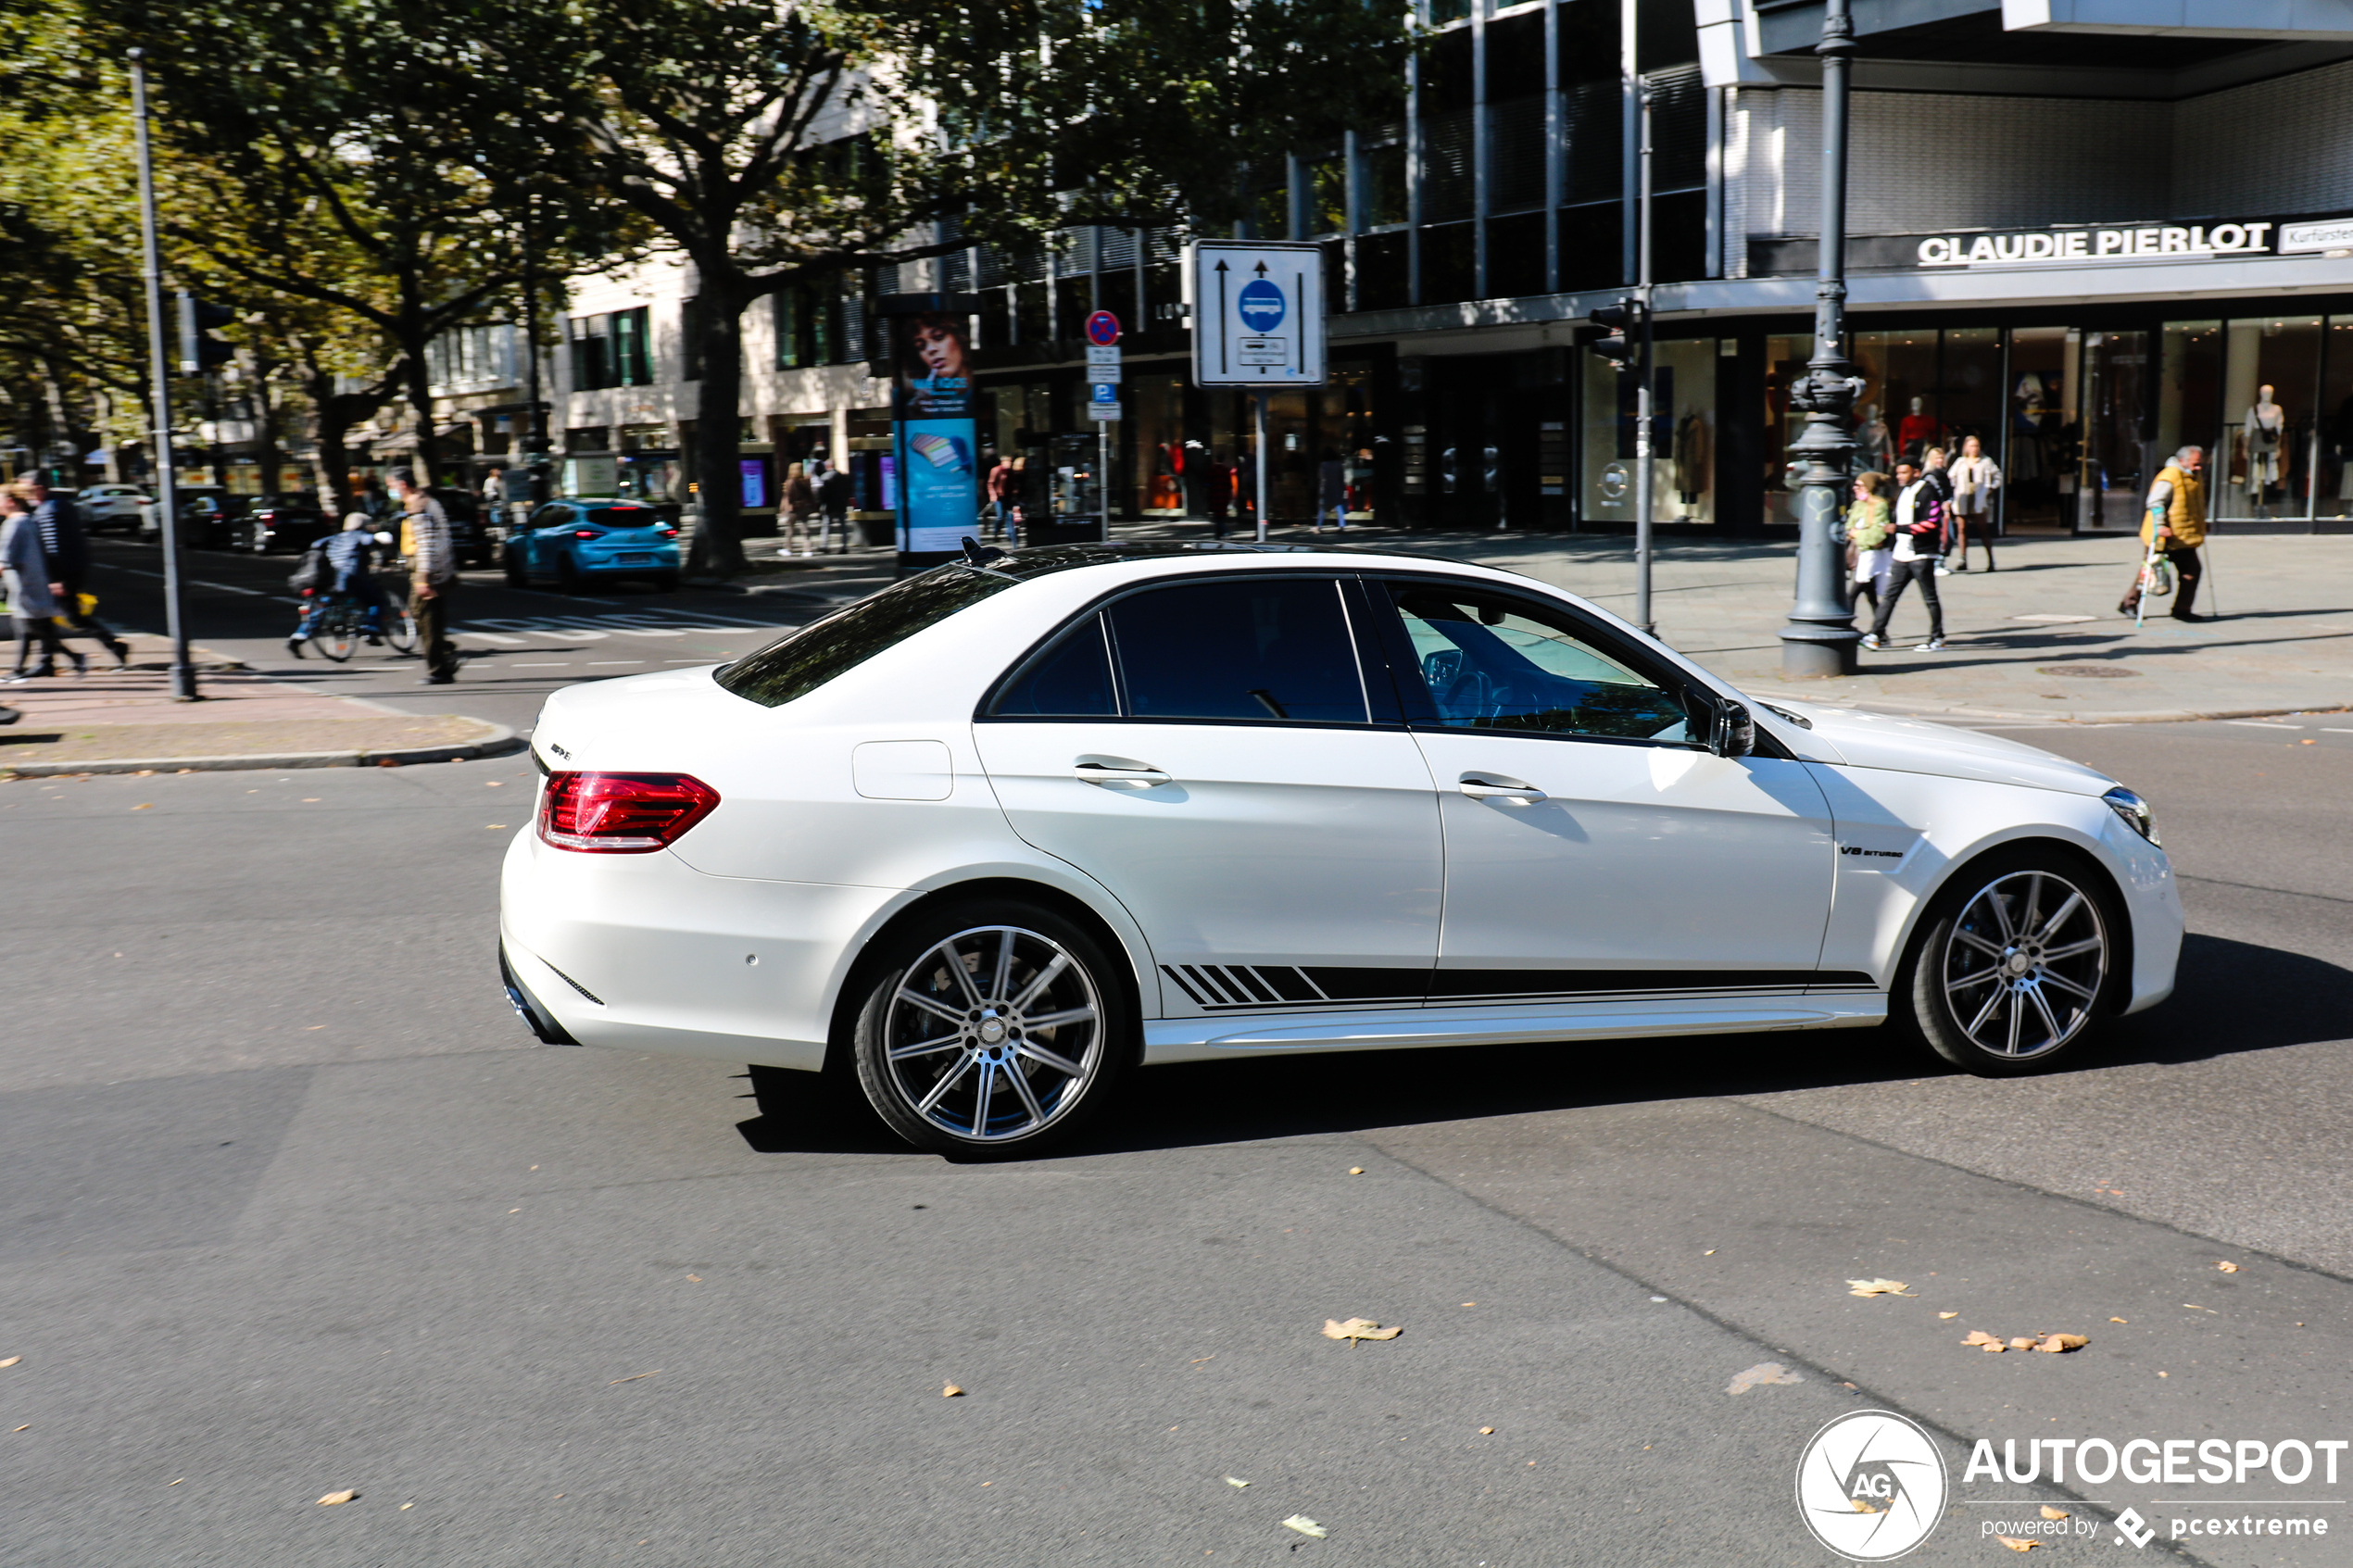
[
  {"x": 283, "y": 522},
  {"x": 209, "y": 517},
  {"x": 468, "y": 537}
]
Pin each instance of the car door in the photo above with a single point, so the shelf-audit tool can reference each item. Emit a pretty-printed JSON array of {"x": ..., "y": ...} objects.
[
  {"x": 540, "y": 545},
  {"x": 1592, "y": 848},
  {"x": 1209, "y": 751}
]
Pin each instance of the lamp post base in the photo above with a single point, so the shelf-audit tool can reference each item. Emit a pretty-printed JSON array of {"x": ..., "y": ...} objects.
[{"x": 1820, "y": 653}]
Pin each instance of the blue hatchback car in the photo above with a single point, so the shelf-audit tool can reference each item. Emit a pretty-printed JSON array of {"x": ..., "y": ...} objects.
[{"x": 584, "y": 539}]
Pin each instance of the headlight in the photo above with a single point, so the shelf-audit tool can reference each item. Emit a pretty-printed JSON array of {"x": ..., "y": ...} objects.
[{"x": 2135, "y": 812}]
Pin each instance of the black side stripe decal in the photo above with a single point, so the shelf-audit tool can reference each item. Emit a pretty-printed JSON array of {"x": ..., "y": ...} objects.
[{"x": 1225, "y": 986}]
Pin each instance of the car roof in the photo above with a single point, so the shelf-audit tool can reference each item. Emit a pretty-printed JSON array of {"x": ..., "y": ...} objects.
[{"x": 1044, "y": 561}]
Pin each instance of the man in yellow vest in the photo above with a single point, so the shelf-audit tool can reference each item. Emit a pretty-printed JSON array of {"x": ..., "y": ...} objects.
[{"x": 2175, "y": 524}]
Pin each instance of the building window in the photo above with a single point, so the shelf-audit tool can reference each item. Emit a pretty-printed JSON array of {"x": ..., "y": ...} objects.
[
  {"x": 610, "y": 350},
  {"x": 807, "y": 325}
]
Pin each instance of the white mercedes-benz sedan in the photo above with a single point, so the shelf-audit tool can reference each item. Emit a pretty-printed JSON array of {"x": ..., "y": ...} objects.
[{"x": 999, "y": 834}]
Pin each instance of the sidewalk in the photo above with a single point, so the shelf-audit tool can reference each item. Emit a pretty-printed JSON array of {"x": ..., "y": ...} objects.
[
  {"x": 2040, "y": 639},
  {"x": 126, "y": 720}
]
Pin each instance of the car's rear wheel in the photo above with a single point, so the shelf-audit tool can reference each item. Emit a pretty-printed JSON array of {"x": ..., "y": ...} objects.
[
  {"x": 665, "y": 582},
  {"x": 2015, "y": 966},
  {"x": 992, "y": 1030},
  {"x": 567, "y": 574}
]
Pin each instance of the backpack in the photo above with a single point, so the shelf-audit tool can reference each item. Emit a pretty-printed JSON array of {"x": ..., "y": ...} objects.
[{"x": 313, "y": 575}]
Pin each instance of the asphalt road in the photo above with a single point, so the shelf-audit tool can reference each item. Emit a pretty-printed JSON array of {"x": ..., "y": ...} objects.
[{"x": 290, "y": 1204}]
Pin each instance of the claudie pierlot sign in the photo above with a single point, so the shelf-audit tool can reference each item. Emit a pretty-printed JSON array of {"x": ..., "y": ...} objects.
[{"x": 2067, "y": 245}]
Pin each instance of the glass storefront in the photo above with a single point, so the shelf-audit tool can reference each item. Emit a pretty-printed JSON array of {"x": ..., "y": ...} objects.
[{"x": 1682, "y": 437}]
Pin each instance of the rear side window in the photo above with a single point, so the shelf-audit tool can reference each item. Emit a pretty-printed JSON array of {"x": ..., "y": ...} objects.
[
  {"x": 817, "y": 653},
  {"x": 1268, "y": 648},
  {"x": 1070, "y": 680}
]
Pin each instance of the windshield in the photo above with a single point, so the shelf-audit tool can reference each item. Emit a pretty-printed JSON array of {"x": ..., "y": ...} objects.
[{"x": 817, "y": 653}]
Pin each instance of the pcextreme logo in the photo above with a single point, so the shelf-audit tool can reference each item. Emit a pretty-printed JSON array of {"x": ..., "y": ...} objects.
[{"x": 1871, "y": 1485}]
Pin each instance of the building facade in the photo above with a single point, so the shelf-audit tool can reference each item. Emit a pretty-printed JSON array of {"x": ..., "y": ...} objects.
[{"x": 2083, "y": 241}]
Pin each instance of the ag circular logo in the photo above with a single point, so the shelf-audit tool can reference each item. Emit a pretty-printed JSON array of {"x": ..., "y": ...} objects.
[
  {"x": 1261, "y": 306},
  {"x": 1871, "y": 1485}
]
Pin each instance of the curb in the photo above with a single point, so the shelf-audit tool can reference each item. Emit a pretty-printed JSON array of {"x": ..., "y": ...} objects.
[
  {"x": 501, "y": 742},
  {"x": 1897, "y": 709}
]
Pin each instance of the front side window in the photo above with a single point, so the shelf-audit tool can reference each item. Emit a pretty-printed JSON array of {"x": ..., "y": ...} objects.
[
  {"x": 1265, "y": 648},
  {"x": 798, "y": 664},
  {"x": 1497, "y": 662}
]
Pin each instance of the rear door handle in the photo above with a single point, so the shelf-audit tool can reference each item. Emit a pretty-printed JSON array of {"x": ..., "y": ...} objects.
[
  {"x": 1499, "y": 786},
  {"x": 1118, "y": 772}
]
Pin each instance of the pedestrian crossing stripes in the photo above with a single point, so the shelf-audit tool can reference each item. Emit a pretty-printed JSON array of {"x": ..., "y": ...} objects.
[{"x": 519, "y": 632}]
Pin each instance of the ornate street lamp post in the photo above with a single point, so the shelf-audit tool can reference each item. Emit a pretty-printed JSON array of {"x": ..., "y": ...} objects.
[{"x": 1820, "y": 638}]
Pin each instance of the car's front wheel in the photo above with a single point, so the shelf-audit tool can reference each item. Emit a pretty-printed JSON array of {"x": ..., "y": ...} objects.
[
  {"x": 2014, "y": 966},
  {"x": 992, "y": 1029},
  {"x": 510, "y": 559}
]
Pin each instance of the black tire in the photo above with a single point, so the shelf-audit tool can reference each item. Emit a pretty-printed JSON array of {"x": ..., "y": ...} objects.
[
  {"x": 567, "y": 574},
  {"x": 2017, "y": 963},
  {"x": 993, "y": 1053},
  {"x": 510, "y": 559},
  {"x": 666, "y": 583}
]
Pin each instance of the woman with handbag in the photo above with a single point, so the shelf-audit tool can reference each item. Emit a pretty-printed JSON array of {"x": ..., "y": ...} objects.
[{"x": 31, "y": 602}]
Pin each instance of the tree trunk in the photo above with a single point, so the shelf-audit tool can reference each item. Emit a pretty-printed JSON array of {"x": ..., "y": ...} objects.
[
  {"x": 420, "y": 390},
  {"x": 272, "y": 460},
  {"x": 718, "y": 427}
]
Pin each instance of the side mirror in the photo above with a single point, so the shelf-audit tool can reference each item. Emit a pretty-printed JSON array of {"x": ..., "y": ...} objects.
[{"x": 1725, "y": 727}]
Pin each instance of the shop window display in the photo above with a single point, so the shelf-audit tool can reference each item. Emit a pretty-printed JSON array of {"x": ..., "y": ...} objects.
[
  {"x": 2270, "y": 424},
  {"x": 1682, "y": 437}
]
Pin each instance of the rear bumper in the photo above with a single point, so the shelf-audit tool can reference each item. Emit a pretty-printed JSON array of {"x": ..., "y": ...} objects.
[{"x": 529, "y": 1008}]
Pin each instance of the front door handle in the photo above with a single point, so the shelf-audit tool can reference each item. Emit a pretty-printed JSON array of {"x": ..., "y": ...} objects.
[
  {"x": 1118, "y": 772},
  {"x": 1499, "y": 786}
]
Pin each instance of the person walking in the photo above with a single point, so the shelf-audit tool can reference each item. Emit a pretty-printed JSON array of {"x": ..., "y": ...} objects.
[
  {"x": 1000, "y": 487},
  {"x": 32, "y": 602},
  {"x": 1933, "y": 469},
  {"x": 801, "y": 507},
  {"x": 1217, "y": 492},
  {"x": 1975, "y": 478},
  {"x": 68, "y": 550},
  {"x": 1918, "y": 521},
  {"x": 1868, "y": 525},
  {"x": 433, "y": 574},
  {"x": 832, "y": 503},
  {"x": 2175, "y": 526},
  {"x": 1331, "y": 492}
]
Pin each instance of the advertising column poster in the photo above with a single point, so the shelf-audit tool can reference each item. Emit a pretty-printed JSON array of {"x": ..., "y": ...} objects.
[{"x": 939, "y": 494}]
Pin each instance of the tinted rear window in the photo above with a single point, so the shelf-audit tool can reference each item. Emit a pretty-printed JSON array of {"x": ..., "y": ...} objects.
[
  {"x": 1253, "y": 647},
  {"x": 817, "y": 653},
  {"x": 623, "y": 517}
]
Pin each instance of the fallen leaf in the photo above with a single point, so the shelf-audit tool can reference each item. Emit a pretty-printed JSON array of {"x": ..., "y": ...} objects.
[
  {"x": 2228, "y": 1268},
  {"x": 2016, "y": 1545},
  {"x": 147, "y": 806},
  {"x": 487, "y": 826},
  {"x": 1862, "y": 1506},
  {"x": 2021, "y": 1342},
  {"x": 954, "y": 1391},
  {"x": 696, "y": 1278},
  {"x": 2050, "y": 1512},
  {"x": 1878, "y": 1288},
  {"x": 2160, "y": 1375},
  {"x": 1709, "y": 1253},
  {"x": 1948, "y": 1314},
  {"x": 1985, "y": 1341},
  {"x": 331, "y": 1498},
  {"x": 2056, "y": 1343},
  {"x": 1235, "y": 1481},
  {"x": 1305, "y": 1527},
  {"x": 11, "y": 1361},
  {"x": 28, "y": 1425},
  {"x": 407, "y": 1506},
  {"x": 1766, "y": 1371},
  {"x": 655, "y": 1373},
  {"x": 1355, "y": 1170},
  {"x": 1357, "y": 1328},
  {"x": 176, "y": 1483},
  {"x": 2116, "y": 1320},
  {"x": 1487, "y": 1432}
]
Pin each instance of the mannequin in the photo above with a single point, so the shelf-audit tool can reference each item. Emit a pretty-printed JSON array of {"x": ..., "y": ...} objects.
[
  {"x": 2266, "y": 423},
  {"x": 1871, "y": 441},
  {"x": 1917, "y": 430},
  {"x": 1693, "y": 455}
]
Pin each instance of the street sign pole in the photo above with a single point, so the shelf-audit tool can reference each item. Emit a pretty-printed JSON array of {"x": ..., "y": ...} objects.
[
  {"x": 1104, "y": 378},
  {"x": 183, "y": 669}
]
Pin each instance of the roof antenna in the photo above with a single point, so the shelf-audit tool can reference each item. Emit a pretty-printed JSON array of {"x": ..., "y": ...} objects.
[{"x": 979, "y": 554}]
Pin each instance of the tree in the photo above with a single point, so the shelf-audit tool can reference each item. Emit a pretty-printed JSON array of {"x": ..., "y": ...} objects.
[
  {"x": 363, "y": 156},
  {"x": 773, "y": 143}
]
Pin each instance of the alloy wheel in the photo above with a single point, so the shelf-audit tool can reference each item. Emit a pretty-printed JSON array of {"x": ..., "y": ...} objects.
[
  {"x": 994, "y": 1033},
  {"x": 2023, "y": 967}
]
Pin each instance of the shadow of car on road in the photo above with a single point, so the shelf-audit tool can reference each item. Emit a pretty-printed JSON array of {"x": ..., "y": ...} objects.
[{"x": 2232, "y": 996}]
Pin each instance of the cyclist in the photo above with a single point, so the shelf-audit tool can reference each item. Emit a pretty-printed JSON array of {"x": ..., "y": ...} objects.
[{"x": 346, "y": 562}]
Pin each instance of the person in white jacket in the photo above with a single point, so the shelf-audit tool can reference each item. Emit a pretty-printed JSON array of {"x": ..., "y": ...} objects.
[{"x": 1975, "y": 477}]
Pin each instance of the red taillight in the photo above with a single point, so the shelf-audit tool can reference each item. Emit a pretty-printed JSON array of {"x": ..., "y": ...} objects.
[
  {"x": 621, "y": 813},
  {"x": 585, "y": 533}
]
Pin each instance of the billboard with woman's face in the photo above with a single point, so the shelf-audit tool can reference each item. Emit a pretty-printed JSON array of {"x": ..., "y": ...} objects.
[{"x": 939, "y": 496}]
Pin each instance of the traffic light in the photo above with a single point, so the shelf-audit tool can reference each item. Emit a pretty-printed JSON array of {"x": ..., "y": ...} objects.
[
  {"x": 1619, "y": 322},
  {"x": 199, "y": 350}
]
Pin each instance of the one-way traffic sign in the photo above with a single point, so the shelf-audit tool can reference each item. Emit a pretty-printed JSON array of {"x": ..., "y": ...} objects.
[{"x": 1258, "y": 314}]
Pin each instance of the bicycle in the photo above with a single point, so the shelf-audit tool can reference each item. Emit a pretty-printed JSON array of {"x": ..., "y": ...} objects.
[{"x": 338, "y": 628}]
